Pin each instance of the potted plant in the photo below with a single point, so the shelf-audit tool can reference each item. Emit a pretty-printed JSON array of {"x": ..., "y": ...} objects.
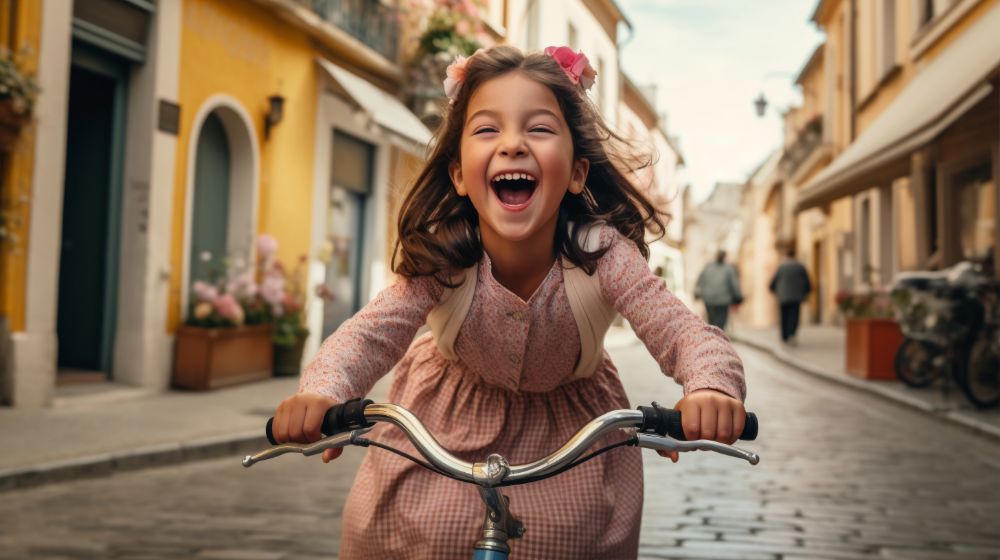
[
  {"x": 873, "y": 335},
  {"x": 18, "y": 91},
  {"x": 226, "y": 338}
]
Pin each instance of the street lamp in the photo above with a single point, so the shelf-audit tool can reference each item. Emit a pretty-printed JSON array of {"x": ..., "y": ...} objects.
[{"x": 760, "y": 104}]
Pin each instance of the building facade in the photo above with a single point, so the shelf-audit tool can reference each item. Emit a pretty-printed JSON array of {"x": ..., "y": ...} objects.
[
  {"x": 910, "y": 109},
  {"x": 168, "y": 136}
]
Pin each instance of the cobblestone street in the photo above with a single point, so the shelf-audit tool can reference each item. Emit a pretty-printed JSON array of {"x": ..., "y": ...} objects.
[{"x": 842, "y": 476}]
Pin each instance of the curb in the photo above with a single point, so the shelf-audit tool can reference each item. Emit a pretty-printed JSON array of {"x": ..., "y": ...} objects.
[
  {"x": 106, "y": 464},
  {"x": 943, "y": 413}
]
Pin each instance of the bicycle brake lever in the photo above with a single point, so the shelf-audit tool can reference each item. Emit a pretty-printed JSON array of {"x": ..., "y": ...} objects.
[
  {"x": 333, "y": 442},
  {"x": 661, "y": 443}
]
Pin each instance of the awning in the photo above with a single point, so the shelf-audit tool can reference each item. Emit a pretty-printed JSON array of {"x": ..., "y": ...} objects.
[
  {"x": 384, "y": 109},
  {"x": 943, "y": 91}
]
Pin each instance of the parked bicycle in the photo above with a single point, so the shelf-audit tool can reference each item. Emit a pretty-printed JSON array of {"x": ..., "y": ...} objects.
[
  {"x": 655, "y": 428},
  {"x": 949, "y": 320}
]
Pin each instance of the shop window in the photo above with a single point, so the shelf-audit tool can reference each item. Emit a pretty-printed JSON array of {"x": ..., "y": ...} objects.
[{"x": 977, "y": 211}]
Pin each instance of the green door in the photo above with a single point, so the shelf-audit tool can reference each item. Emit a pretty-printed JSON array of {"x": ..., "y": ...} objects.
[
  {"x": 210, "y": 211},
  {"x": 88, "y": 259}
]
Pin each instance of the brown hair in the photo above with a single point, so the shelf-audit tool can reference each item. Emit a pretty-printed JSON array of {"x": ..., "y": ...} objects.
[{"x": 437, "y": 227}]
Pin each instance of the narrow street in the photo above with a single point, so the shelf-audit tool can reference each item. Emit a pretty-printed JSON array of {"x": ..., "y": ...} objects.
[{"x": 842, "y": 476}]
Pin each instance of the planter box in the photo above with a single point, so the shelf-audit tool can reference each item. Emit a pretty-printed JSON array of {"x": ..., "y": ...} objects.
[
  {"x": 871, "y": 347},
  {"x": 210, "y": 358}
]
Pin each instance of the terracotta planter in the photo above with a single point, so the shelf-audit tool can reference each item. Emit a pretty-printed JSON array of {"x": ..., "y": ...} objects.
[
  {"x": 207, "y": 358},
  {"x": 11, "y": 123},
  {"x": 288, "y": 359},
  {"x": 871, "y": 347}
]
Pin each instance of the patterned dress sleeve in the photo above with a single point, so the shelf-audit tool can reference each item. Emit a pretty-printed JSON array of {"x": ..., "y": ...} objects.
[
  {"x": 369, "y": 344},
  {"x": 695, "y": 354}
]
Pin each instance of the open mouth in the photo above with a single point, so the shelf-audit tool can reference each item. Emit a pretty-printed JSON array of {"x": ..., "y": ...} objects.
[{"x": 514, "y": 189}]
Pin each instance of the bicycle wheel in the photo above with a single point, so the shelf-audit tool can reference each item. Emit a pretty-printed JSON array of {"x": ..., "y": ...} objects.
[
  {"x": 979, "y": 376},
  {"x": 915, "y": 363}
]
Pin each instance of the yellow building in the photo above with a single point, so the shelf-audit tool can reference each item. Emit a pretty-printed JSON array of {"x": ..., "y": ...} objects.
[
  {"x": 910, "y": 113},
  {"x": 177, "y": 129}
]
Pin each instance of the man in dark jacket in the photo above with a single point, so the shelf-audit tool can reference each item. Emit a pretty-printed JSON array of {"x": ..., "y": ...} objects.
[{"x": 791, "y": 286}]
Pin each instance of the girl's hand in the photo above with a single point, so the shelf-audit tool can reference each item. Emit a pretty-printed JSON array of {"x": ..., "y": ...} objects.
[
  {"x": 709, "y": 414},
  {"x": 299, "y": 419}
]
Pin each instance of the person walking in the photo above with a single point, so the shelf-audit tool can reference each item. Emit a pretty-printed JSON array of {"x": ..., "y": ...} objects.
[
  {"x": 791, "y": 286},
  {"x": 719, "y": 287}
]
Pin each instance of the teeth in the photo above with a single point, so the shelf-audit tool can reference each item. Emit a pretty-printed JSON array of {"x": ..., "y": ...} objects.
[{"x": 512, "y": 176}]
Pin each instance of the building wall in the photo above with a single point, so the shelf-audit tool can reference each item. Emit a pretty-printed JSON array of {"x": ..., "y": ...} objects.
[
  {"x": 235, "y": 56},
  {"x": 22, "y": 36}
]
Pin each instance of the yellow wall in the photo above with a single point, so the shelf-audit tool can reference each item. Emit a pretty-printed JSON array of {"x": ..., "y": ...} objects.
[
  {"x": 18, "y": 168},
  {"x": 243, "y": 51}
]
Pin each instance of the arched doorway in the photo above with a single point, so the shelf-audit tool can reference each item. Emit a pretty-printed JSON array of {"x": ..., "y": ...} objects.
[
  {"x": 210, "y": 204},
  {"x": 222, "y": 205}
]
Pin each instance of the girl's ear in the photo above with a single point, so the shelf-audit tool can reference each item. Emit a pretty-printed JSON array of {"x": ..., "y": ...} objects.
[
  {"x": 455, "y": 171},
  {"x": 578, "y": 179}
]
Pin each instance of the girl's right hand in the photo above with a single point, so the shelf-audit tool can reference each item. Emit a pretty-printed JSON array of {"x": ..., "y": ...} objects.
[{"x": 299, "y": 419}]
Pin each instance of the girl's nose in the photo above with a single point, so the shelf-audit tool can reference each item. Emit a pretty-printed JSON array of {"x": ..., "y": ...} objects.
[{"x": 513, "y": 146}]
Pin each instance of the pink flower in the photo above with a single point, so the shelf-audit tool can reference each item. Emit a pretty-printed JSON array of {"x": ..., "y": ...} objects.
[
  {"x": 228, "y": 308},
  {"x": 456, "y": 75},
  {"x": 272, "y": 289},
  {"x": 575, "y": 64},
  {"x": 204, "y": 291},
  {"x": 266, "y": 246}
]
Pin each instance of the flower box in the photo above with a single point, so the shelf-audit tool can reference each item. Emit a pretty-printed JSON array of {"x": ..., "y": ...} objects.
[
  {"x": 871, "y": 347},
  {"x": 208, "y": 358}
]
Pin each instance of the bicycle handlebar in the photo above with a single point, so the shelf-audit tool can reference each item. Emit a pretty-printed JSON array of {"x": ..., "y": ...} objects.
[{"x": 358, "y": 416}]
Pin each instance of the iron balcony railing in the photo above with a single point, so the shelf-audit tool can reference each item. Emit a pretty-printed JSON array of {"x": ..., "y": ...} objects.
[{"x": 373, "y": 22}]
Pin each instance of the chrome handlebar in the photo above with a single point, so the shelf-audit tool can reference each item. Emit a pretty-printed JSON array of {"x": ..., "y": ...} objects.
[{"x": 496, "y": 470}]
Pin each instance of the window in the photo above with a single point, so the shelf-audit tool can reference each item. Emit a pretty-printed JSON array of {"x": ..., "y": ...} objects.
[
  {"x": 865, "y": 229},
  {"x": 977, "y": 211},
  {"x": 887, "y": 41},
  {"x": 932, "y": 213}
]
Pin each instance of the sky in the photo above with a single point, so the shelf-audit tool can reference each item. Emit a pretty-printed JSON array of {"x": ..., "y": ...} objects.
[{"x": 709, "y": 60}]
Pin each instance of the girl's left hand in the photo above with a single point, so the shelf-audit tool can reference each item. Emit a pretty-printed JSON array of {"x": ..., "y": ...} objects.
[{"x": 709, "y": 414}]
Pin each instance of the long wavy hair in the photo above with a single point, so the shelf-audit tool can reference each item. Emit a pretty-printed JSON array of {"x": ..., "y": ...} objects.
[{"x": 438, "y": 228}]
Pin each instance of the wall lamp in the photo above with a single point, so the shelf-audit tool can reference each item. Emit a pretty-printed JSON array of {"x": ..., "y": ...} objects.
[{"x": 276, "y": 108}]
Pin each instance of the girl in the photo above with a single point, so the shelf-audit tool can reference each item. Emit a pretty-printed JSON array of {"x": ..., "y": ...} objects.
[{"x": 516, "y": 191}]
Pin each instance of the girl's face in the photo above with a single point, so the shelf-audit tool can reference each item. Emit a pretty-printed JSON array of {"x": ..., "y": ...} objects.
[{"x": 517, "y": 159}]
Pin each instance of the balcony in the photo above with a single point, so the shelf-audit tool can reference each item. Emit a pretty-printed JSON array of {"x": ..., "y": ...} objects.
[{"x": 373, "y": 22}]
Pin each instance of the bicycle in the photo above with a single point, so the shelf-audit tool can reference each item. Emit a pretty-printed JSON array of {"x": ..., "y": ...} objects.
[{"x": 656, "y": 428}]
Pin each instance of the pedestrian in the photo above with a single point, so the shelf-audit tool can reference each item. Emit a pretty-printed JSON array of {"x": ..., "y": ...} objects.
[
  {"x": 791, "y": 286},
  {"x": 517, "y": 244},
  {"x": 719, "y": 287}
]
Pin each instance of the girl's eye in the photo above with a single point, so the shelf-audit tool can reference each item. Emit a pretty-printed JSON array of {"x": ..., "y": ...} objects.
[
  {"x": 484, "y": 129},
  {"x": 541, "y": 129}
]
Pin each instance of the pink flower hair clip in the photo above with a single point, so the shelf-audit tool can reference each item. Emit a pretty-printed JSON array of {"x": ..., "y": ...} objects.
[
  {"x": 456, "y": 76},
  {"x": 575, "y": 64}
]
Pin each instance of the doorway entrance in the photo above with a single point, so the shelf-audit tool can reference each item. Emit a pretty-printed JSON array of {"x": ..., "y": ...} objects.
[
  {"x": 88, "y": 258},
  {"x": 351, "y": 185}
]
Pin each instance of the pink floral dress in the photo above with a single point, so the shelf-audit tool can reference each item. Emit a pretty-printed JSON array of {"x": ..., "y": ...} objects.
[{"x": 510, "y": 392}]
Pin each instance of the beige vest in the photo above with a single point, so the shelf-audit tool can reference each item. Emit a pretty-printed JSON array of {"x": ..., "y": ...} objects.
[{"x": 592, "y": 314}]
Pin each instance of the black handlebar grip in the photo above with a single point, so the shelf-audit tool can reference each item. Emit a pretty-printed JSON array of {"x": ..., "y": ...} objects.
[
  {"x": 269, "y": 433},
  {"x": 667, "y": 421},
  {"x": 346, "y": 416},
  {"x": 341, "y": 417}
]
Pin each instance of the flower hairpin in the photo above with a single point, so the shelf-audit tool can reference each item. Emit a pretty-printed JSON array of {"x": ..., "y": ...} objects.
[
  {"x": 575, "y": 64},
  {"x": 456, "y": 76}
]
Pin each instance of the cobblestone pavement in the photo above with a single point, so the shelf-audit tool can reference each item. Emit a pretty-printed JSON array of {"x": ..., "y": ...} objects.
[{"x": 842, "y": 476}]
